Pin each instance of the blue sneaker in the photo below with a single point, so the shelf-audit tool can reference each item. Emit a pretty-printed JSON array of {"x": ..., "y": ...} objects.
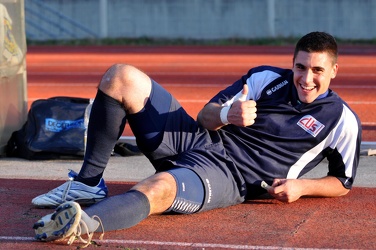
[{"x": 72, "y": 191}]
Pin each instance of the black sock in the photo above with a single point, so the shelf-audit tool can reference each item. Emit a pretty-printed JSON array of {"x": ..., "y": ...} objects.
[
  {"x": 106, "y": 124},
  {"x": 121, "y": 211}
]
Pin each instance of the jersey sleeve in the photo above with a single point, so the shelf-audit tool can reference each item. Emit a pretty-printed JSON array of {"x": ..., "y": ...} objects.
[
  {"x": 345, "y": 148},
  {"x": 256, "y": 79}
]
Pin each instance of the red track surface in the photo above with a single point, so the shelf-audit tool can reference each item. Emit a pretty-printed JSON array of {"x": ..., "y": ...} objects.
[
  {"x": 193, "y": 75},
  {"x": 333, "y": 223}
]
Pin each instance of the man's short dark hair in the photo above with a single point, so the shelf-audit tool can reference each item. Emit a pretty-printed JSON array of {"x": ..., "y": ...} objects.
[{"x": 317, "y": 42}]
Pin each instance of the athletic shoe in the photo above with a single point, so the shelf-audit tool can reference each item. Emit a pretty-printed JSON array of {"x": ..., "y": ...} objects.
[
  {"x": 68, "y": 221},
  {"x": 72, "y": 191}
]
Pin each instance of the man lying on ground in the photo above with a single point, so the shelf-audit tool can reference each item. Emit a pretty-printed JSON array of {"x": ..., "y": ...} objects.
[{"x": 271, "y": 125}]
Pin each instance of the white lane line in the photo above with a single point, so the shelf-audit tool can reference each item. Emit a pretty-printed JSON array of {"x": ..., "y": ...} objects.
[
  {"x": 369, "y": 123},
  {"x": 171, "y": 244},
  {"x": 168, "y": 64},
  {"x": 353, "y": 86},
  {"x": 206, "y": 100},
  {"x": 360, "y": 103},
  {"x": 348, "y": 102},
  {"x": 181, "y": 85},
  {"x": 173, "y": 73},
  {"x": 16, "y": 238}
]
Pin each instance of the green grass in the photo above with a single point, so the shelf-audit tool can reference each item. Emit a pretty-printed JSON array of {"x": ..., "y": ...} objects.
[{"x": 145, "y": 41}]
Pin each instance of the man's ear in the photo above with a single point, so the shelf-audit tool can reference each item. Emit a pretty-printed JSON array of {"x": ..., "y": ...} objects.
[{"x": 334, "y": 70}]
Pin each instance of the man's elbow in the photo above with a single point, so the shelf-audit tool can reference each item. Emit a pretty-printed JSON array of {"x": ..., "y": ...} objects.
[
  {"x": 344, "y": 191},
  {"x": 200, "y": 120}
]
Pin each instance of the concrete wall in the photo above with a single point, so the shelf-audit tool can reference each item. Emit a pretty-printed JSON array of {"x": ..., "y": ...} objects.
[{"x": 207, "y": 19}]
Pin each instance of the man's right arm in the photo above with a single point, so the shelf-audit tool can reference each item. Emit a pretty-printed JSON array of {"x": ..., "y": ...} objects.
[
  {"x": 240, "y": 113},
  {"x": 209, "y": 116}
]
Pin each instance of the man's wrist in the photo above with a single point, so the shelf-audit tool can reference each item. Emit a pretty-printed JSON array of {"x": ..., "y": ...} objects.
[{"x": 223, "y": 115}]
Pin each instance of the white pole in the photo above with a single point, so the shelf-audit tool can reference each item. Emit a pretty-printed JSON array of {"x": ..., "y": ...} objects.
[
  {"x": 103, "y": 19},
  {"x": 271, "y": 17}
]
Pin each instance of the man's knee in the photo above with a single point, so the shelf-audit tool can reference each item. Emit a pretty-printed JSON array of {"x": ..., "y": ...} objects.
[
  {"x": 160, "y": 189},
  {"x": 116, "y": 76},
  {"x": 127, "y": 85}
]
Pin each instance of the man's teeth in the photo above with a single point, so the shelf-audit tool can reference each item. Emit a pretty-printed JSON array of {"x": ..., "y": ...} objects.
[{"x": 307, "y": 88}]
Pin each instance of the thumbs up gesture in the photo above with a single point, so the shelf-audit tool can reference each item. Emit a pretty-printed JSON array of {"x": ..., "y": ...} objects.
[
  {"x": 242, "y": 111},
  {"x": 244, "y": 93}
]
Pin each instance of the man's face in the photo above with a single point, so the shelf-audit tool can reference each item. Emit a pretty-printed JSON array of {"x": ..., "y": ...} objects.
[{"x": 312, "y": 74}]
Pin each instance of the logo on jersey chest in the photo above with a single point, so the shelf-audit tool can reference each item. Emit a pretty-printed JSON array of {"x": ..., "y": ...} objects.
[
  {"x": 276, "y": 87},
  {"x": 310, "y": 125}
]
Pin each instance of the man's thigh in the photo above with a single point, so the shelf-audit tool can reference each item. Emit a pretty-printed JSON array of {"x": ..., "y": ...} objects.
[
  {"x": 213, "y": 167},
  {"x": 163, "y": 128}
]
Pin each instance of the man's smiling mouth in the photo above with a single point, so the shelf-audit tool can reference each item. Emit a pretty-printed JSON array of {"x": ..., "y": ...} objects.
[{"x": 306, "y": 88}]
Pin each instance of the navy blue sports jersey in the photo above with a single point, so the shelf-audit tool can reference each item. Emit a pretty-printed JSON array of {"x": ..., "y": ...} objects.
[{"x": 289, "y": 138}]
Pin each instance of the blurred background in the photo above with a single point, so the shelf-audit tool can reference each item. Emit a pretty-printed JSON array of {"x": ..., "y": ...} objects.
[{"x": 198, "y": 19}]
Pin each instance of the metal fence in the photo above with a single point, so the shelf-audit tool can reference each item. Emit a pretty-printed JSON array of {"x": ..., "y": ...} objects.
[{"x": 198, "y": 19}]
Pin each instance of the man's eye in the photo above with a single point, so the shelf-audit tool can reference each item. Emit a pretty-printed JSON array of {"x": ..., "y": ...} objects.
[
  {"x": 318, "y": 71},
  {"x": 300, "y": 66}
]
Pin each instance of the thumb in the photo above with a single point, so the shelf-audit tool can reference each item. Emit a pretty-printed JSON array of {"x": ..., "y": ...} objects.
[{"x": 243, "y": 97}]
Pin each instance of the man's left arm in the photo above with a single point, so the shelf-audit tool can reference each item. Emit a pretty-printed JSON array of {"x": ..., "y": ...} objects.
[
  {"x": 343, "y": 158},
  {"x": 290, "y": 190}
]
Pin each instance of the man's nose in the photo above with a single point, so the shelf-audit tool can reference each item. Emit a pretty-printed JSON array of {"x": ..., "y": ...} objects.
[{"x": 307, "y": 76}]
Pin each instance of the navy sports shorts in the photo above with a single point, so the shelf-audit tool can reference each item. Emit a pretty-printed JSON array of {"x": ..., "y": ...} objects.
[{"x": 169, "y": 138}]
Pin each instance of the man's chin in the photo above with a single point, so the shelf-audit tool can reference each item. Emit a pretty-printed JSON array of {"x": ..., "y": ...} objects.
[{"x": 306, "y": 99}]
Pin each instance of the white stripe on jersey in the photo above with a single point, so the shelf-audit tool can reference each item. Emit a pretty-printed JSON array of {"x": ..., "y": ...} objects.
[
  {"x": 336, "y": 139},
  {"x": 255, "y": 87},
  {"x": 348, "y": 148}
]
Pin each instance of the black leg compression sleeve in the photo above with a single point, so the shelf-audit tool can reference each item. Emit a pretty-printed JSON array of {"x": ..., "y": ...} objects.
[
  {"x": 106, "y": 124},
  {"x": 190, "y": 191},
  {"x": 121, "y": 211}
]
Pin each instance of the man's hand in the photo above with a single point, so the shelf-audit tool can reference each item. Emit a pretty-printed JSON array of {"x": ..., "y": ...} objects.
[
  {"x": 242, "y": 112},
  {"x": 290, "y": 190},
  {"x": 285, "y": 190}
]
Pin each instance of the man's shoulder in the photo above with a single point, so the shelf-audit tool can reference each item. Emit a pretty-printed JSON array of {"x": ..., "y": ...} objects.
[
  {"x": 336, "y": 107},
  {"x": 333, "y": 97},
  {"x": 347, "y": 108}
]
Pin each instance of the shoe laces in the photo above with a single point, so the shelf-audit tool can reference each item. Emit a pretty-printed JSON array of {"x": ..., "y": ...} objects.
[
  {"x": 78, "y": 234},
  {"x": 67, "y": 188}
]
